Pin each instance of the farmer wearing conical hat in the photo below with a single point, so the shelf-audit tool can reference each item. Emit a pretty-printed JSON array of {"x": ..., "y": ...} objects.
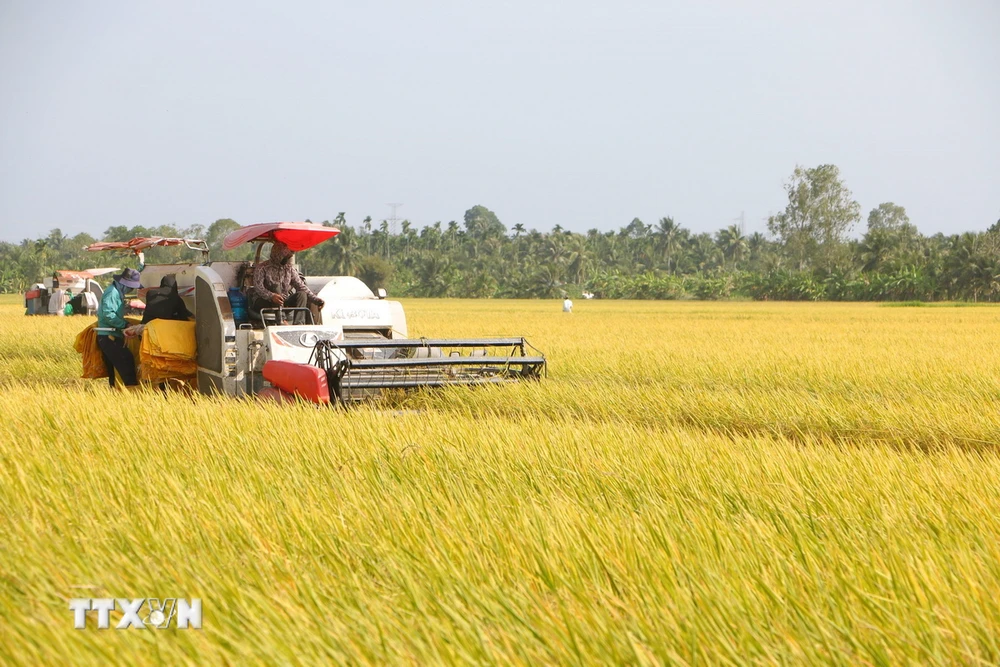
[
  {"x": 275, "y": 280},
  {"x": 111, "y": 326}
]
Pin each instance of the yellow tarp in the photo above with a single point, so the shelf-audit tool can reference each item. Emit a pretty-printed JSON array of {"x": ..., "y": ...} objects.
[
  {"x": 93, "y": 360},
  {"x": 168, "y": 350}
]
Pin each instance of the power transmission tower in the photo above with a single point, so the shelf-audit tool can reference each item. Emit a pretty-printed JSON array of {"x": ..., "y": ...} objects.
[
  {"x": 393, "y": 220},
  {"x": 743, "y": 221}
]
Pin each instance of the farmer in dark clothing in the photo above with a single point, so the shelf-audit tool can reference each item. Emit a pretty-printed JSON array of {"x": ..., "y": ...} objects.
[
  {"x": 164, "y": 303},
  {"x": 274, "y": 280},
  {"x": 111, "y": 329}
]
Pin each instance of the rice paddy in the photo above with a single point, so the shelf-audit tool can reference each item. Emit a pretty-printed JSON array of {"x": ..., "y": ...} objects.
[{"x": 721, "y": 483}]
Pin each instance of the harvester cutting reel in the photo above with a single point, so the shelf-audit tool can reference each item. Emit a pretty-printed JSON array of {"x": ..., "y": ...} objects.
[{"x": 359, "y": 369}]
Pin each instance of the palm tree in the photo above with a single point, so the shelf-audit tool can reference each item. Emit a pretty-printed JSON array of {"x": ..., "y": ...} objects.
[
  {"x": 368, "y": 232},
  {"x": 406, "y": 233},
  {"x": 545, "y": 282},
  {"x": 704, "y": 252},
  {"x": 451, "y": 235},
  {"x": 384, "y": 228},
  {"x": 430, "y": 236},
  {"x": 342, "y": 252},
  {"x": 732, "y": 243},
  {"x": 432, "y": 274},
  {"x": 875, "y": 250},
  {"x": 667, "y": 236},
  {"x": 577, "y": 264}
]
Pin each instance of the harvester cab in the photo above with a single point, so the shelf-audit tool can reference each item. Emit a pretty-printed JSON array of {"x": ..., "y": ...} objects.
[{"x": 354, "y": 347}]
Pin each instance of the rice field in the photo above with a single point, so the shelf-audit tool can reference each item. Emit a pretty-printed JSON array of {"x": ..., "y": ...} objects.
[{"x": 694, "y": 483}]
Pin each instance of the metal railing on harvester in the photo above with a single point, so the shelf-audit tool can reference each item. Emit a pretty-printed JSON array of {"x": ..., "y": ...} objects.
[{"x": 360, "y": 368}]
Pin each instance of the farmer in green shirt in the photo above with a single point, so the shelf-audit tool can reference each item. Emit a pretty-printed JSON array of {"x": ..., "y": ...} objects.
[{"x": 111, "y": 326}]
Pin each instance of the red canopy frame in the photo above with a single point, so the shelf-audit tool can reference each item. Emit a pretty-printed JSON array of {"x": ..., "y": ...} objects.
[
  {"x": 140, "y": 243},
  {"x": 87, "y": 274}
]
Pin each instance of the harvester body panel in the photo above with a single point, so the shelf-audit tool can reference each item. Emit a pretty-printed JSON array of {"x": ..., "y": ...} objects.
[{"x": 350, "y": 304}]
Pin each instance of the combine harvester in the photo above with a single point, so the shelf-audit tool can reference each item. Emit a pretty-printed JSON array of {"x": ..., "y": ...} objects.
[
  {"x": 50, "y": 296},
  {"x": 354, "y": 348}
]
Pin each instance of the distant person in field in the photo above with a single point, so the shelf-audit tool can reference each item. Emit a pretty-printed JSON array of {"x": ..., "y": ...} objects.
[
  {"x": 567, "y": 306},
  {"x": 274, "y": 281},
  {"x": 165, "y": 303}
]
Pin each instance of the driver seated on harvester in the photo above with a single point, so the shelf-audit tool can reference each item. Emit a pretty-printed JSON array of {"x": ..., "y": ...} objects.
[{"x": 274, "y": 281}]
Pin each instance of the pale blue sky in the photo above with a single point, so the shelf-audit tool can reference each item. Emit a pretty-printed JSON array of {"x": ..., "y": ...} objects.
[{"x": 583, "y": 114}]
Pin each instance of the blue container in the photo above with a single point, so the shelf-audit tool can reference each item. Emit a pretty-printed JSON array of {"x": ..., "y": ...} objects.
[{"x": 238, "y": 302}]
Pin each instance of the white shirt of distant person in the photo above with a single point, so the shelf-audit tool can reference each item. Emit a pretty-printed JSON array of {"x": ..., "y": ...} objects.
[{"x": 568, "y": 303}]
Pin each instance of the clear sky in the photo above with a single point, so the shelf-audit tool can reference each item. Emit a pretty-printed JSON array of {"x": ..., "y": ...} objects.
[{"x": 583, "y": 114}]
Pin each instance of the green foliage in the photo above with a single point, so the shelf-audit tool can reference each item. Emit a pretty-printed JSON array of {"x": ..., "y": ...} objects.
[
  {"x": 819, "y": 214},
  {"x": 482, "y": 223},
  {"x": 375, "y": 272},
  {"x": 643, "y": 286},
  {"x": 784, "y": 285},
  {"x": 217, "y": 231},
  {"x": 807, "y": 258},
  {"x": 889, "y": 217}
]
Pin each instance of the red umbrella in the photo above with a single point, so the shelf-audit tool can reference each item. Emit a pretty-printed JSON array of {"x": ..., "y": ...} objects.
[{"x": 296, "y": 235}]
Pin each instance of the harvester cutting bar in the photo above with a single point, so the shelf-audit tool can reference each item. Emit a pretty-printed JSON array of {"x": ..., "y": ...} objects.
[
  {"x": 434, "y": 342},
  {"x": 360, "y": 368},
  {"x": 446, "y": 361},
  {"x": 359, "y": 382}
]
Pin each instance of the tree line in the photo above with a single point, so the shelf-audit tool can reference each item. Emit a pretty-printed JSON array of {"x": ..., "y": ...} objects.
[{"x": 808, "y": 253}]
